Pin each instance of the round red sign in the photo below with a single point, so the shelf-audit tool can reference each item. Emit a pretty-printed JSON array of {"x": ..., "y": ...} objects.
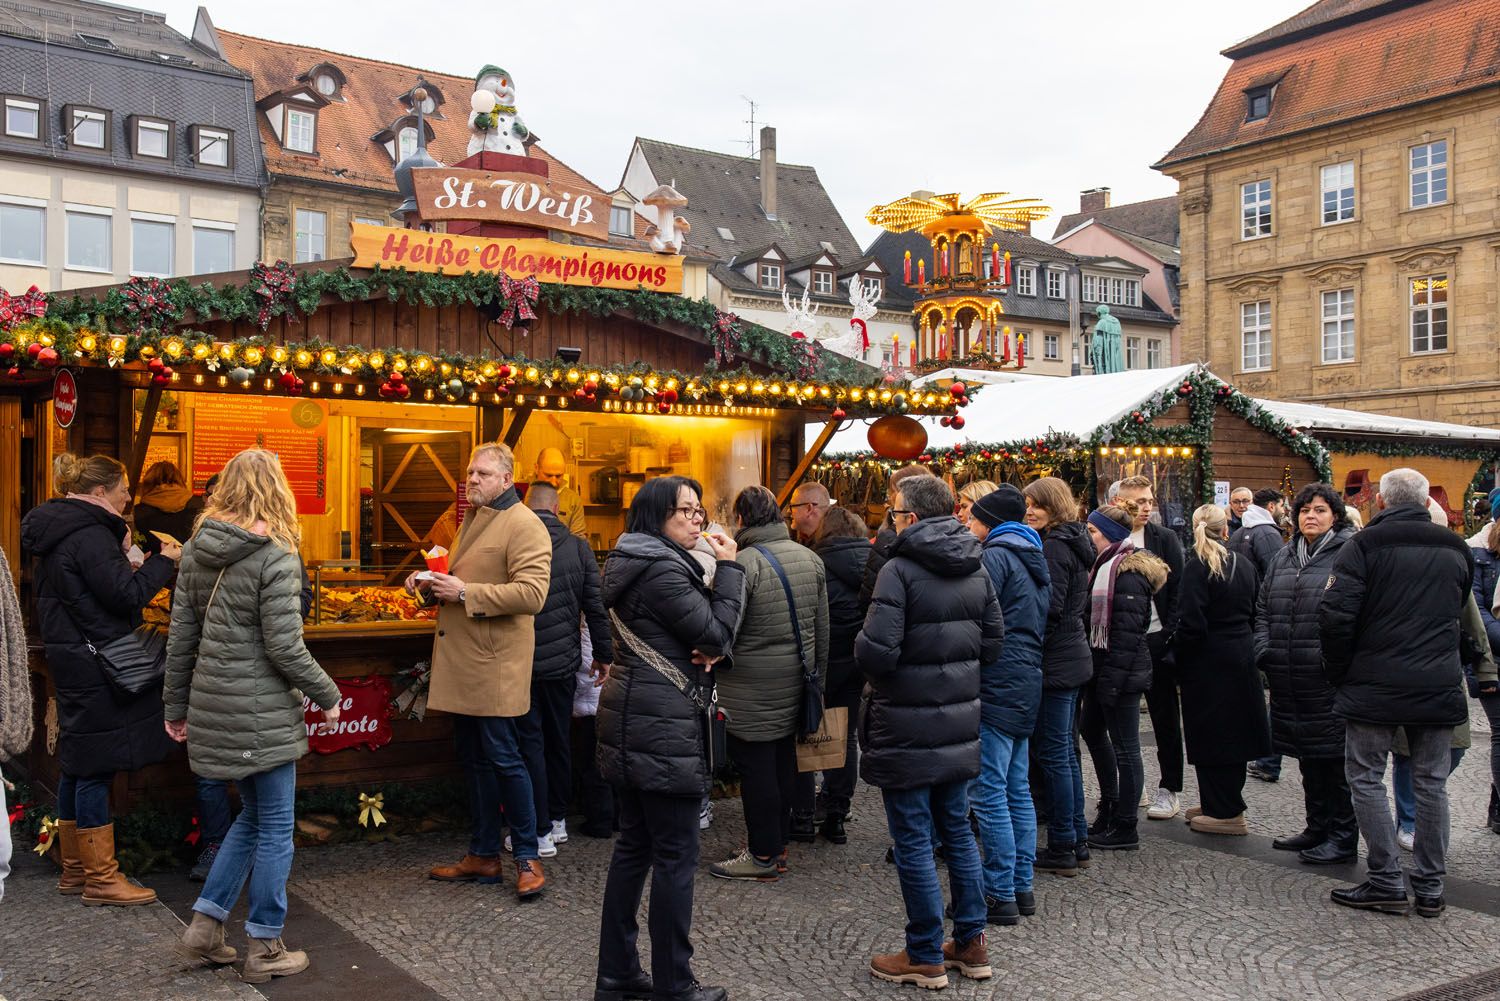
[{"x": 64, "y": 398}]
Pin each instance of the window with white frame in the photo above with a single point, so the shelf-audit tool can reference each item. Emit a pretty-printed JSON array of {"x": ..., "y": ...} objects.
[
  {"x": 301, "y": 131},
  {"x": 1429, "y": 174},
  {"x": 770, "y": 276},
  {"x": 1051, "y": 345},
  {"x": 88, "y": 241},
  {"x": 621, "y": 220},
  {"x": 311, "y": 243},
  {"x": 89, "y": 129},
  {"x": 1338, "y": 326},
  {"x": 213, "y": 147},
  {"x": 23, "y": 118},
  {"x": 822, "y": 282},
  {"x": 1117, "y": 291},
  {"x": 1026, "y": 280},
  {"x": 406, "y": 143},
  {"x": 1054, "y": 283},
  {"x": 23, "y": 233},
  {"x": 1153, "y": 353},
  {"x": 213, "y": 249},
  {"x": 1429, "y": 313},
  {"x": 1132, "y": 352},
  {"x": 1338, "y": 192},
  {"x": 874, "y": 288},
  {"x": 1091, "y": 288},
  {"x": 151, "y": 247},
  {"x": 1132, "y": 292},
  {"x": 1255, "y": 210},
  {"x": 1255, "y": 336},
  {"x": 153, "y": 139}
]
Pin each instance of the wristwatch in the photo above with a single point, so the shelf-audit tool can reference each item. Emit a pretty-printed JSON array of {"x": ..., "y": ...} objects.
[{"x": 461, "y": 592}]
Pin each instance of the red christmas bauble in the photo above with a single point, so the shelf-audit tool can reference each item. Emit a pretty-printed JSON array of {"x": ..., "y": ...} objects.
[
  {"x": 895, "y": 436},
  {"x": 946, "y": 421},
  {"x": 33, "y": 349},
  {"x": 839, "y": 414},
  {"x": 504, "y": 371},
  {"x": 7, "y": 351},
  {"x": 580, "y": 394},
  {"x": 957, "y": 424},
  {"x": 14, "y": 372},
  {"x": 403, "y": 391},
  {"x": 663, "y": 407},
  {"x": 47, "y": 357},
  {"x": 957, "y": 389},
  {"x": 386, "y": 391},
  {"x": 668, "y": 396}
]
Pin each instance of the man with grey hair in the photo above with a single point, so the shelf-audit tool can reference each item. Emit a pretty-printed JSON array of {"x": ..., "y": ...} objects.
[
  {"x": 809, "y": 503},
  {"x": 1389, "y": 625}
]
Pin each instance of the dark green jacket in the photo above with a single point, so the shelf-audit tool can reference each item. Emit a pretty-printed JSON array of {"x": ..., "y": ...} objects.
[
  {"x": 238, "y": 671},
  {"x": 762, "y": 689}
]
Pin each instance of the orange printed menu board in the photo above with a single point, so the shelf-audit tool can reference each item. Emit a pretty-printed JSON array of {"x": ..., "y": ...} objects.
[{"x": 296, "y": 430}]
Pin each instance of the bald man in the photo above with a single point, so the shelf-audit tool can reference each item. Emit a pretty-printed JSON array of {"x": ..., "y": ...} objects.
[
  {"x": 809, "y": 503},
  {"x": 551, "y": 468}
]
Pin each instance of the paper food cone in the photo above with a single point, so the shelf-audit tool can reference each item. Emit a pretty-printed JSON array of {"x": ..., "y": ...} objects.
[{"x": 437, "y": 559}]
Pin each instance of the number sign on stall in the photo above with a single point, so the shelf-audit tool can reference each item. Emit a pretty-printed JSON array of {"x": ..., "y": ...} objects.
[{"x": 296, "y": 430}]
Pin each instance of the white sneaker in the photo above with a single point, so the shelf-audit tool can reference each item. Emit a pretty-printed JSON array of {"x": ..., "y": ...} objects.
[
  {"x": 559, "y": 832},
  {"x": 544, "y": 846},
  {"x": 705, "y": 816},
  {"x": 507, "y": 845},
  {"x": 1165, "y": 806},
  {"x": 1145, "y": 797},
  {"x": 1407, "y": 840}
]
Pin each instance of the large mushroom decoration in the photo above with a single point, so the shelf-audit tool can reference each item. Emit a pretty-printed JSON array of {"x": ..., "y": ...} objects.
[{"x": 669, "y": 230}]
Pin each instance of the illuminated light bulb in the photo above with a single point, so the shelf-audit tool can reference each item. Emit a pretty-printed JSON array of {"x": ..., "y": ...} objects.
[
  {"x": 1155, "y": 450},
  {"x": 557, "y": 373},
  {"x": 825, "y": 392},
  {"x": 593, "y": 377},
  {"x": 87, "y": 342},
  {"x": 317, "y": 387},
  {"x": 775, "y": 389},
  {"x": 497, "y": 397},
  {"x": 1187, "y": 452},
  {"x": 377, "y": 360},
  {"x": 359, "y": 389},
  {"x": 198, "y": 379},
  {"x": 1138, "y": 450},
  {"x": 338, "y": 389},
  {"x": 269, "y": 384},
  {"x": 253, "y": 355},
  {"x": 226, "y": 351},
  {"x": 809, "y": 392},
  {"x": 304, "y": 357},
  {"x": 541, "y": 401},
  {"x": 329, "y": 357},
  {"x": 671, "y": 383},
  {"x": 856, "y": 394},
  {"x": 1104, "y": 452},
  {"x": 427, "y": 395},
  {"x": 885, "y": 396},
  {"x": 117, "y": 345},
  {"x": 176, "y": 376},
  {"x": 532, "y": 375},
  {"x": 223, "y": 380},
  {"x": 724, "y": 387},
  {"x": 399, "y": 363},
  {"x": 562, "y": 402},
  {"x": 489, "y": 370},
  {"x": 424, "y": 364},
  {"x": 278, "y": 354},
  {"x": 759, "y": 387},
  {"x": 473, "y": 397},
  {"x": 520, "y": 399},
  {"x": 1171, "y": 451},
  {"x": 572, "y": 375},
  {"x": 741, "y": 387},
  {"x": 445, "y": 369}
]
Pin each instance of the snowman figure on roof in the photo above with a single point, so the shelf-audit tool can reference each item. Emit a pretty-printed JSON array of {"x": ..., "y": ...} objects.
[{"x": 495, "y": 125}]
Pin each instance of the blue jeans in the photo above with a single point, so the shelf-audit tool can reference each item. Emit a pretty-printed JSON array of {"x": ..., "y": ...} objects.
[
  {"x": 1058, "y": 751},
  {"x": 1406, "y": 797},
  {"x": 911, "y": 815},
  {"x": 258, "y": 847},
  {"x": 84, "y": 799},
  {"x": 213, "y": 811},
  {"x": 490, "y": 753},
  {"x": 1007, "y": 818}
]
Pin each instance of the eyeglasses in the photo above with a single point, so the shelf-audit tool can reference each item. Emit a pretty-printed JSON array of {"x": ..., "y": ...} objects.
[
  {"x": 691, "y": 513},
  {"x": 896, "y": 511},
  {"x": 793, "y": 507}
]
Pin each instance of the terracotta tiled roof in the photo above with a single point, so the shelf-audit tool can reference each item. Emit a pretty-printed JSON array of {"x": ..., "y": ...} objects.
[
  {"x": 347, "y": 155},
  {"x": 1404, "y": 55}
]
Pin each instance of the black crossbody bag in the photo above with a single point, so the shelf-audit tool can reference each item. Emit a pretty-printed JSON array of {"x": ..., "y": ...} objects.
[{"x": 811, "y": 712}]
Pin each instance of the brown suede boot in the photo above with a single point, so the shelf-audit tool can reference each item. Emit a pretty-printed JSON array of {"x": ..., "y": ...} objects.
[
  {"x": 897, "y": 968},
  {"x": 71, "y": 882},
  {"x": 204, "y": 941},
  {"x": 105, "y": 886},
  {"x": 269, "y": 957},
  {"x": 971, "y": 959}
]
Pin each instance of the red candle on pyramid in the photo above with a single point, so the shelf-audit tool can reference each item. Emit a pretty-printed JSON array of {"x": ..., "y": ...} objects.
[
  {"x": 1020, "y": 351},
  {"x": 994, "y": 260},
  {"x": 906, "y": 268},
  {"x": 922, "y": 271}
]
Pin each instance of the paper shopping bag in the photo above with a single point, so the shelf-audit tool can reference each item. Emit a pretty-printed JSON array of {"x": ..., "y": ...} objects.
[{"x": 826, "y": 748}]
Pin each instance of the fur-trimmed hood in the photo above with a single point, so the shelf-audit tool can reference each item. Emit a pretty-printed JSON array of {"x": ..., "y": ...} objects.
[{"x": 1148, "y": 565}]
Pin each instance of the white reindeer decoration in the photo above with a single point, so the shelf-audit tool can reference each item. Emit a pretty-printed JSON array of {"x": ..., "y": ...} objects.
[{"x": 802, "y": 316}]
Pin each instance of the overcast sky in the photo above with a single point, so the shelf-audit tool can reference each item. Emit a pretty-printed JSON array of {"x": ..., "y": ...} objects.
[{"x": 1040, "y": 99}]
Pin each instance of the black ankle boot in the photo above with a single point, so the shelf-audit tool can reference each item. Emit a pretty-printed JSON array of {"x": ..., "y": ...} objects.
[
  {"x": 1120, "y": 837},
  {"x": 1103, "y": 817},
  {"x": 1341, "y": 848},
  {"x": 1060, "y": 861},
  {"x": 1081, "y": 851},
  {"x": 636, "y": 988},
  {"x": 833, "y": 829},
  {"x": 1309, "y": 838},
  {"x": 802, "y": 830}
]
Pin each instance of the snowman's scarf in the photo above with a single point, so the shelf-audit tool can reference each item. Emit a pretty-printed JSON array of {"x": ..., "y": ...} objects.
[{"x": 504, "y": 109}]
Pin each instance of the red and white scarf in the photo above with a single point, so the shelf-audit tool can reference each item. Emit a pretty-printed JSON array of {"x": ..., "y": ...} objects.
[{"x": 1102, "y": 591}]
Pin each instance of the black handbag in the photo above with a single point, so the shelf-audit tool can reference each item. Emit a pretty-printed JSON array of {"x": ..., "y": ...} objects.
[
  {"x": 715, "y": 720},
  {"x": 811, "y": 710}
]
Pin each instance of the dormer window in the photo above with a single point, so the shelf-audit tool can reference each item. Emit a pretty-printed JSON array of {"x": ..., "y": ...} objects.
[
  {"x": 1258, "y": 103},
  {"x": 406, "y": 143},
  {"x": 874, "y": 288},
  {"x": 770, "y": 276},
  {"x": 151, "y": 138},
  {"x": 326, "y": 84},
  {"x": 301, "y": 130},
  {"x": 88, "y": 128},
  {"x": 211, "y": 147},
  {"x": 23, "y": 118},
  {"x": 621, "y": 221},
  {"x": 97, "y": 42},
  {"x": 430, "y": 103},
  {"x": 822, "y": 282},
  {"x": 326, "y": 80}
]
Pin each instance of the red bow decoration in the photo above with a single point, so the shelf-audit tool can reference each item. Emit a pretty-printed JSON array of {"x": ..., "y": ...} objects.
[
  {"x": 520, "y": 297},
  {"x": 17, "y": 812},
  {"x": 15, "y": 308}
]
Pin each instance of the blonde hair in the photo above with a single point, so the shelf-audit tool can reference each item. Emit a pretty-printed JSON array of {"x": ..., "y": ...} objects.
[
  {"x": 1055, "y": 497},
  {"x": 162, "y": 473},
  {"x": 502, "y": 453},
  {"x": 976, "y": 489},
  {"x": 253, "y": 488},
  {"x": 1209, "y": 522},
  {"x": 72, "y": 474}
]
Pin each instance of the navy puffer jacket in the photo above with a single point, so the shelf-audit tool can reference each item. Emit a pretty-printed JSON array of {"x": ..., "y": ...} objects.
[
  {"x": 1011, "y": 687},
  {"x": 844, "y": 559},
  {"x": 933, "y": 620},
  {"x": 1486, "y": 576},
  {"x": 1066, "y": 661},
  {"x": 1123, "y": 668},
  {"x": 651, "y": 737}
]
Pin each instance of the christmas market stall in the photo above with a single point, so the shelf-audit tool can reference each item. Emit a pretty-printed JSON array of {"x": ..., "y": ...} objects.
[
  {"x": 1193, "y": 434},
  {"x": 373, "y": 379}
]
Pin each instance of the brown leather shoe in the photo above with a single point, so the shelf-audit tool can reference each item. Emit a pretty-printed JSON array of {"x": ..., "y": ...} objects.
[
  {"x": 972, "y": 960},
  {"x": 105, "y": 885},
  {"x": 71, "y": 882},
  {"x": 897, "y": 968},
  {"x": 470, "y": 869},
  {"x": 529, "y": 879},
  {"x": 1233, "y": 826}
]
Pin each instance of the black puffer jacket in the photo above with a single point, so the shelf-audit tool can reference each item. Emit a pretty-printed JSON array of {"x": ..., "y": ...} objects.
[
  {"x": 1066, "y": 661},
  {"x": 85, "y": 587},
  {"x": 1486, "y": 578},
  {"x": 651, "y": 737},
  {"x": 574, "y": 591},
  {"x": 1289, "y": 651},
  {"x": 845, "y": 560},
  {"x": 1390, "y": 622},
  {"x": 1258, "y": 539},
  {"x": 880, "y": 551},
  {"x": 1123, "y": 668},
  {"x": 933, "y": 620}
]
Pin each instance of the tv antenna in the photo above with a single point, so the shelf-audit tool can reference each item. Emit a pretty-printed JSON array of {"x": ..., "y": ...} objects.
[{"x": 750, "y": 143}]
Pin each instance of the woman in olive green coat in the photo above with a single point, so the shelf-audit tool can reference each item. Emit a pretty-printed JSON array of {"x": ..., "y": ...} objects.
[{"x": 236, "y": 673}]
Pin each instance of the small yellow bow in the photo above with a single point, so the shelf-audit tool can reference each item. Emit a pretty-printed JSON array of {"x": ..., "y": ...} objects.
[
  {"x": 369, "y": 809},
  {"x": 46, "y": 835}
]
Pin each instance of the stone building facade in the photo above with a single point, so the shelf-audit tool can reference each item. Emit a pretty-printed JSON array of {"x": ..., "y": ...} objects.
[{"x": 1338, "y": 212}]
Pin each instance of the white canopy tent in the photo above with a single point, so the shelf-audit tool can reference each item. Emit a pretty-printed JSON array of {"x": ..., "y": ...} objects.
[{"x": 1316, "y": 418}]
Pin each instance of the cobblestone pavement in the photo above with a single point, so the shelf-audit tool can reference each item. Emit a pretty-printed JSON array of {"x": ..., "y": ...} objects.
[{"x": 1187, "y": 915}]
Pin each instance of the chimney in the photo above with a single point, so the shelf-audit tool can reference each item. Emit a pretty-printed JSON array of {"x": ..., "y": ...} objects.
[
  {"x": 1093, "y": 200},
  {"x": 768, "y": 172}
]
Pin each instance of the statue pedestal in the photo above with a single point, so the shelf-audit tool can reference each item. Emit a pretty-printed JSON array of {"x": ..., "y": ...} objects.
[{"x": 509, "y": 164}]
